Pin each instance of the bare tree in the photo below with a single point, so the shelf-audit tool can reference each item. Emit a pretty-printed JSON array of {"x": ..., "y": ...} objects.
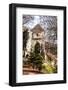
[
  {"x": 49, "y": 24},
  {"x": 27, "y": 18}
]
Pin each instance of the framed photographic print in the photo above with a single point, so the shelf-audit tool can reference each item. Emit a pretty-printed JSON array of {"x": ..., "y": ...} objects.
[{"x": 37, "y": 44}]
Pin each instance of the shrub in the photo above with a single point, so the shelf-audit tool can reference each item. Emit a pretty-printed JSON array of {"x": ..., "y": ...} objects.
[{"x": 47, "y": 68}]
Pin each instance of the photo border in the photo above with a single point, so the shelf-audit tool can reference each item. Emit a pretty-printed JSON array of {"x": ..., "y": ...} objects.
[{"x": 12, "y": 44}]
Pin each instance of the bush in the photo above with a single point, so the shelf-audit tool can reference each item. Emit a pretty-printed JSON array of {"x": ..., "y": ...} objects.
[
  {"x": 36, "y": 60},
  {"x": 47, "y": 68}
]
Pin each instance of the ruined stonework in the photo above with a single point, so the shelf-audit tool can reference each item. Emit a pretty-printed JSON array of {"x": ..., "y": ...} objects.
[{"x": 37, "y": 34}]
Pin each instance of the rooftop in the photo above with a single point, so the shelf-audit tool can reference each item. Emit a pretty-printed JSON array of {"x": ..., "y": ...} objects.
[{"x": 37, "y": 29}]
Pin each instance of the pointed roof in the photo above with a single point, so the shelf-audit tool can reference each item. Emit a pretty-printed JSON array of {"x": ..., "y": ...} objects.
[{"x": 37, "y": 29}]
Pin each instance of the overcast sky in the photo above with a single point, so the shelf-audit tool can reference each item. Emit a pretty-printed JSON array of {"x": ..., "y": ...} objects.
[{"x": 34, "y": 22}]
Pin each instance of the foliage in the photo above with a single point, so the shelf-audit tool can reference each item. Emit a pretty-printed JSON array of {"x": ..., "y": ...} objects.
[
  {"x": 48, "y": 68},
  {"x": 38, "y": 61},
  {"x": 25, "y": 37},
  {"x": 36, "y": 58},
  {"x": 55, "y": 69}
]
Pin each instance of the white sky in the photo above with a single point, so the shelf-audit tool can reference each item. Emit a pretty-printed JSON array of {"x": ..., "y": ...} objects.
[{"x": 36, "y": 21}]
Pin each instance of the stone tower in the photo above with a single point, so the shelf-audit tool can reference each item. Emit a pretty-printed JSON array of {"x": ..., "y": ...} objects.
[{"x": 38, "y": 35}]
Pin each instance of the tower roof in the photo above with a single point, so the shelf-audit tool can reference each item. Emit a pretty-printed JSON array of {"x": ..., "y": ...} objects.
[{"x": 37, "y": 29}]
